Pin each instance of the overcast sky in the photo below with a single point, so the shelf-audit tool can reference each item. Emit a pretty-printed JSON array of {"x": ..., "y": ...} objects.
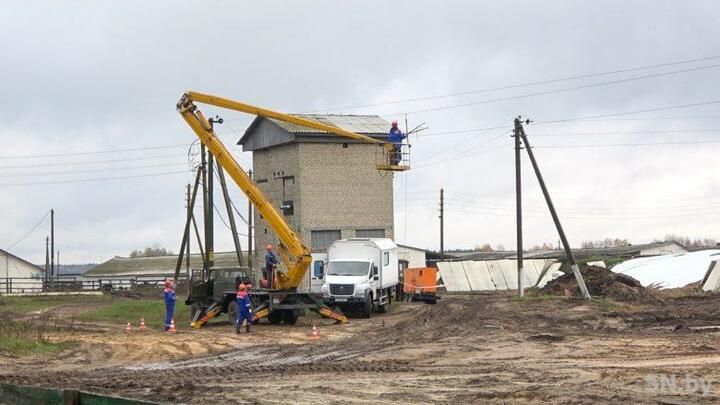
[{"x": 103, "y": 76}]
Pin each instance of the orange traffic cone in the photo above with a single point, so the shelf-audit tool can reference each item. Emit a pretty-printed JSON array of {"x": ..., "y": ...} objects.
[
  {"x": 172, "y": 326},
  {"x": 128, "y": 328},
  {"x": 142, "y": 324},
  {"x": 314, "y": 334}
]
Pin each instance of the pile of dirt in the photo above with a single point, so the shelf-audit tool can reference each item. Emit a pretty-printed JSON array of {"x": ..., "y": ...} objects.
[{"x": 602, "y": 283}]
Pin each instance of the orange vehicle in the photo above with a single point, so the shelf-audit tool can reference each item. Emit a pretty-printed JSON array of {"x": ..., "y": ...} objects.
[{"x": 420, "y": 284}]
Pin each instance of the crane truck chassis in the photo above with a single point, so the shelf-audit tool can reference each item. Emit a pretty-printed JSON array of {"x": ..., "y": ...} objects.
[{"x": 213, "y": 296}]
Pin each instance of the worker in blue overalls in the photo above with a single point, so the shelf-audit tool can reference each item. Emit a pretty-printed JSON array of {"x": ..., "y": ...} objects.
[
  {"x": 244, "y": 308},
  {"x": 169, "y": 294},
  {"x": 395, "y": 137}
]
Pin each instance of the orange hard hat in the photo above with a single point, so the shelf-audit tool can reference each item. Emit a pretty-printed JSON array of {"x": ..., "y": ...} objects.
[
  {"x": 168, "y": 283},
  {"x": 268, "y": 247},
  {"x": 241, "y": 287}
]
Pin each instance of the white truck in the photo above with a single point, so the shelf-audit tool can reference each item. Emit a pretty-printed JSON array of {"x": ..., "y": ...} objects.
[{"x": 361, "y": 273}]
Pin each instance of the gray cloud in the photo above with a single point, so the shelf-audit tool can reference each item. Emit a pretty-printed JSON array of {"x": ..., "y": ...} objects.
[{"x": 106, "y": 75}]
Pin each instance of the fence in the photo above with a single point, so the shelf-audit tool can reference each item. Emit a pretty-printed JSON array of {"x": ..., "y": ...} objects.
[
  {"x": 17, "y": 394},
  {"x": 28, "y": 285}
]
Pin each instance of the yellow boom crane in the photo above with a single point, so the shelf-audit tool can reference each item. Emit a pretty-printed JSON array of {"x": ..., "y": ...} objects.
[{"x": 282, "y": 297}]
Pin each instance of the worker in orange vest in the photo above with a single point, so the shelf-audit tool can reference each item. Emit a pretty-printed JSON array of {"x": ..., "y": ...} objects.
[
  {"x": 244, "y": 307},
  {"x": 169, "y": 295}
]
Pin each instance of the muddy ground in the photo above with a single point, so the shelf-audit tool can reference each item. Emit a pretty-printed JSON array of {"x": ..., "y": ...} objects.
[{"x": 465, "y": 349}]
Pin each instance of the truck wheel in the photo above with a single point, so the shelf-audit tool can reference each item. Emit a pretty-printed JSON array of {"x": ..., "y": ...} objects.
[
  {"x": 275, "y": 317},
  {"x": 289, "y": 317},
  {"x": 367, "y": 306},
  {"x": 194, "y": 309},
  {"x": 383, "y": 308},
  {"x": 232, "y": 312}
]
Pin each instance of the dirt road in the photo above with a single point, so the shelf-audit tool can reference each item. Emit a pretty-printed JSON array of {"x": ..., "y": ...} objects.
[{"x": 487, "y": 348}]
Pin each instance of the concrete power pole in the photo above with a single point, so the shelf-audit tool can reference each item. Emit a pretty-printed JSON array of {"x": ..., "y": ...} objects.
[
  {"x": 518, "y": 212},
  {"x": 551, "y": 207},
  {"x": 442, "y": 224},
  {"x": 52, "y": 242},
  {"x": 47, "y": 261}
]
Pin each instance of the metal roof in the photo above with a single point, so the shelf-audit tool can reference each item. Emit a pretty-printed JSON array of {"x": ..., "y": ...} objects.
[
  {"x": 371, "y": 125},
  {"x": 621, "y": 251},
  {"x": 157, "y": 265},
  {"x": 360, "y": 124}
]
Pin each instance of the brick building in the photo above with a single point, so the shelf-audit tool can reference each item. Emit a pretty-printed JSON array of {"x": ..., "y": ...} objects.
[{"x": 326, "y": 186}]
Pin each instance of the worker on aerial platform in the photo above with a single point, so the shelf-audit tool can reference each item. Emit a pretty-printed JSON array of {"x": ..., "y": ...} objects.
[
  {"x": 271, "y": 262},
  {"x": 244, "y": 308},
  {"x": 396, "y": 137}
]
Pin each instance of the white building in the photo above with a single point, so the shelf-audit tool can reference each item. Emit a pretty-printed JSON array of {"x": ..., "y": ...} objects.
[
  {"x": 18, "y": 275},
  {"x": 411, "y": 257}
]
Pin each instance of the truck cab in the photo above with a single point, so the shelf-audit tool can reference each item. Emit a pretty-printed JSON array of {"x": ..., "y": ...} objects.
[{"x": 361, "y": 273}]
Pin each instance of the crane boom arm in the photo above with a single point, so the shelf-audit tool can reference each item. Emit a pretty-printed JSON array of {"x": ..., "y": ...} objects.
[{"x": 298, "y": 258}]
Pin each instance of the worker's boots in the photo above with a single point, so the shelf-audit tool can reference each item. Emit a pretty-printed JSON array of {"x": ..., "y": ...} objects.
[
  {"x": 247, "y": 327},
  {"x": 237, "y": 328}
]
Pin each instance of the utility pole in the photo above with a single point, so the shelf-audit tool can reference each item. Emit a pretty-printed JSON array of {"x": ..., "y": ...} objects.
[
  {"x": 442, "y": 224},
  {"x": 47, "y": 260},
  {"x": 518, "y": 212},
  {"x": 210, "y": 218},
  {"x": 57, "y": 273},
  {"x": 187, "y": 227},
  {"x": 52, "y": 242},
  {"x": 568, "y": 252},
  {"x": 250, "y": 231}
]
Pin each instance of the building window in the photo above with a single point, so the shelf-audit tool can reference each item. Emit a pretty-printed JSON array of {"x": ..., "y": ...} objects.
[
  {"x": 386, "y": 258},
  {"x": 370, "y": 233},
  {"x": 321, "y": 240}
]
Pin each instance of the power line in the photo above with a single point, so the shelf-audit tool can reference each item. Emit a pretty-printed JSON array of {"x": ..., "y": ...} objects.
[
  {"x": 513, "y": 86},
  {"x": 92, "y": 179},
  {"x": 589, "y": 117},
  {"x": 223, "y": 220},
  {"x": 608, "y": 145},
  {"x": 90, "y": 170},
  {"x": 93, "y": 153},
  {"x": 31, "y": 231},
  {"x": 88, "y": 162},
  {"x": 586, "y": 86},
  {"x": 630, "y": 132}
]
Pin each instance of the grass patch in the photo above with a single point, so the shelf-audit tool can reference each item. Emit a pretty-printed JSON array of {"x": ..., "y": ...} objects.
[
  {"x": 604, "y": 303},
  {"x": 609, "y": 260},
  {"x": 131, "y": 310},
  {"x": 26, "y": 305},
  {"x": 23, "y": 337}
]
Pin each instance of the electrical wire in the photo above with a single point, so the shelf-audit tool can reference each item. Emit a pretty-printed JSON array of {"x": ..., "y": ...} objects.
[
  {"x": 590, "y": 117},
  {"x": 541, "y": 93},
  {"x": 93, "y": 153},
  {"x": 612, "y": 145},
  {"x": 681, "y": 131},
  {"x": 89, "y": 170},
  {"x": 88, "y": 162},
  {"x": 91, "y": 179},
  {"x": 31, "y": 231},
  {"x": 513, "y": 86}
]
